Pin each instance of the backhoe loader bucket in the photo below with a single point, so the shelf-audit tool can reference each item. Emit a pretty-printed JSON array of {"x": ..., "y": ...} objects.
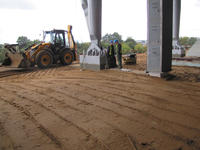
[{"x": 13, "y": 60}]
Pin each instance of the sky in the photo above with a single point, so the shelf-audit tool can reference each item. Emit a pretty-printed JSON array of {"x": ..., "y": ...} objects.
[{"x": 128, "y": 17}]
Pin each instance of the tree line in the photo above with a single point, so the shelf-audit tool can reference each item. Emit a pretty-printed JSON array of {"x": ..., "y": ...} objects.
[
  {"x": 128, "y": 46},
  {"x": 187, "y": 41},
  {"x": 23, "y": 43}
]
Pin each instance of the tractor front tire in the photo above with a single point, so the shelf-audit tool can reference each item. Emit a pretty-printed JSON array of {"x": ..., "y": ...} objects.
[
  {"x": 44, "y": 59},
  {"x": 66, "y": 57}
]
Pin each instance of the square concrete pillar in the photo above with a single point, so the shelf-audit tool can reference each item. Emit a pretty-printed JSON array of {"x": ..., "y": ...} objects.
[{"x": 160, "y": 16}]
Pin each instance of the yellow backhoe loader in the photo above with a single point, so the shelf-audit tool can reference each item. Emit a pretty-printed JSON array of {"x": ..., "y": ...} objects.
[{"x": 58, "y": 46}]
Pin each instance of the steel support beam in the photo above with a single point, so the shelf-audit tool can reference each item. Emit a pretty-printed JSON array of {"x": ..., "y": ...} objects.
[{"x": 159, "y": 55}]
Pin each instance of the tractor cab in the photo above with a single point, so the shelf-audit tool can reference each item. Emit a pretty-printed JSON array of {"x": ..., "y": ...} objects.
[
  {"x": 57, "y": 38},
  {"x": 60, "y": 39}
]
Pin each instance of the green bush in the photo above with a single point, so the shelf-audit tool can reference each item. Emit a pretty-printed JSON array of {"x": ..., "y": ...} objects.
[
  {"x": 125, "y": 48},
  {"x": 139, "y": 48},
  {"x": 81, "y": 47}
]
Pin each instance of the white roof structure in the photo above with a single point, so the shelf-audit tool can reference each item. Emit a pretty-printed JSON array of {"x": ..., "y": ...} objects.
[{"x": 194, "y": 50}]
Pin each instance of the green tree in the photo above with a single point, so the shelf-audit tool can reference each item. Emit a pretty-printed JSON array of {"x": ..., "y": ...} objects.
[
  {"x": 104, "y": 45},
  {"x": 184, "y": 40},
  {"x": 187, "y": 41},
  {"x": 81, "y": 47},
  {"x": 108, "y": 37},
  {"x": 23, "y": 42},
  {"x": 125, "y": 48},
  {"x": 131, "y": 42},
  {"x": 36, "y": 41},
  {"x": 139, "y": 48},
  {"x": 192, "y": 40}
]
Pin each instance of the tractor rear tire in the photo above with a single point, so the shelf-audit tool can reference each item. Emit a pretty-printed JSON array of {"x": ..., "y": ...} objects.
[
  {"x": 66, "y": 57},
  {"x": 44, "y": 59}
]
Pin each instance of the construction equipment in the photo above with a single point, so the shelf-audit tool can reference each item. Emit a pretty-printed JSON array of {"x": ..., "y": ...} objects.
[
  {"x": 129, "y": 59},
  {"x": 58, "y": 46}
]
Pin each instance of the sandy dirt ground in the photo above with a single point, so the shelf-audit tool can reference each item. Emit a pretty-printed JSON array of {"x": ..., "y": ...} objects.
[{"x": 63, "y": 108}]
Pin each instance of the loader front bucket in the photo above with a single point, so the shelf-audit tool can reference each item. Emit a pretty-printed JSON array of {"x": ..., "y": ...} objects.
[{"x": 13, "y": 60}]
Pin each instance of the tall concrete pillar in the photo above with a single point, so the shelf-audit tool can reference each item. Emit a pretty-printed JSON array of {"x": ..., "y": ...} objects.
[
  {"x": 178, "y": 50},
  {"x": 176, "y": 19},
  {"x": 94, "y": 58},
  {"x": 94, "y": 16},
  {"x": 159, "y": 54}
]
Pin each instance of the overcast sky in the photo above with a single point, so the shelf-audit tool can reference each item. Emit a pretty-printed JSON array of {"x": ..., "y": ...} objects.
[{"x": 128, "y": 18}]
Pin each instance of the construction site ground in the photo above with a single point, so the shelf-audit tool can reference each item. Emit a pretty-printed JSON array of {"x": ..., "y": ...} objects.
[{"x": 65, "y": 108}]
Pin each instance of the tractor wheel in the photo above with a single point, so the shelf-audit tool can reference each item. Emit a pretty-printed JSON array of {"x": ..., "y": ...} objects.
[
  {"x": 44, "y": 59},
  {"x": 66, "y": 57}
]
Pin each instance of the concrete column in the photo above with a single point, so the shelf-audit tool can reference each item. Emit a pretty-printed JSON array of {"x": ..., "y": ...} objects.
[
  {"x": 93, "y": 11},
  {"x": 159, "y": 54},
  {"x": 178, "y": 50},
  {"x": 176, "y": 19},
  {"x": 94, "y": 15},
  {"x": 94, "y": 58}
]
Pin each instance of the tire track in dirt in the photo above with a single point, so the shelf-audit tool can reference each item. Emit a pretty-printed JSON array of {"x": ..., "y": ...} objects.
[
  {"x": 74, "y": 88},
  {"x": 54, "y": 71},
  {"x": 123, "y": 136},
  {"x": 182, "y": 139},
  {"x": 34, "y": 121},
  {"x": 7, "y": 143},
  {"x": 120, "y": 104},
  {"x": 13, "y": 73},
  {"x": 144, "y": 80},
  {"x": 161, "y": 130},
  {"x": 55, "y": 138},
  {"x": 99, "y": 90},
  {"x": 137, "y": 94},
  {"x": 149, "y": 94},
  {"x": 139, "y": 88},
  {"x": 27, "y": 75},
  {"x": 94, "y": 138},
  {"x": 41, "y": 73},
  {"x": 161, "y": 103},
  {"x": 125, "y": 97},
  {"x": 22, "y": 130},
  {"x": 37, "y": 73}
]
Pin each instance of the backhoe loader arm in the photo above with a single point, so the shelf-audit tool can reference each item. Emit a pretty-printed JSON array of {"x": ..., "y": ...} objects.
[{"x": 72, "y": 43}]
